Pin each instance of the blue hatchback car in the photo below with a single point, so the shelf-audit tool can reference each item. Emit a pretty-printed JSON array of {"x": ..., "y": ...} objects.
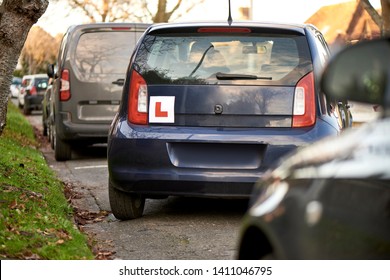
[{"x": 207, "y": 108}]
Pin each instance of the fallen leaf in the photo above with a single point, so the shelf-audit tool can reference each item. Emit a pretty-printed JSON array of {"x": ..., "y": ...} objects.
[
  {"x": 60, "y": 241},
  {"x": 13, "y": 205},
  {"x": 30, "y": 256}
]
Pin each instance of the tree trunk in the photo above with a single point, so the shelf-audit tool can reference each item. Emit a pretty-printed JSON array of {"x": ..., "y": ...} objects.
[
  {"x": 161, "y": 10},
  {"x": 162, "y": 14},
  {"x": 372, "y": 12},
  {"x": 386, "y": 17},
  {"x": 16, "y": 19}
]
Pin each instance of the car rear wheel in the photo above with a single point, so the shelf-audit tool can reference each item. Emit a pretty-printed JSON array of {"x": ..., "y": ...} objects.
[
  {"x": 125, "y": 206},
  {"x": 62, "y": 150},
  {"x": 26, "y": 110},
  {"x": 45, "y": 127},
  {"x": 51, "y": 136}
]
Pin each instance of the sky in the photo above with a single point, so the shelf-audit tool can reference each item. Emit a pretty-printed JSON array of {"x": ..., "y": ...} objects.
[{"x": 55, "y": 20}]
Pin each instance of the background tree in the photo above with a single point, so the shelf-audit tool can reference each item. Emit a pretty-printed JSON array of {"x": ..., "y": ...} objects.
[
  {"x": 39, "y": 50},
  {"x": 16, "y": 19},
  {"x": 383, "y": 21},
  {"x": 165, "y": 10},
  {"x": 386, "y": 17},
  {"x": 132, "y": 10},
  {"x": 105, "y": 10}
]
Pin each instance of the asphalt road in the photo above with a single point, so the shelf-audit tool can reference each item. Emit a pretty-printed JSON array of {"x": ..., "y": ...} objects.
[{"x": 171, "y": 229}]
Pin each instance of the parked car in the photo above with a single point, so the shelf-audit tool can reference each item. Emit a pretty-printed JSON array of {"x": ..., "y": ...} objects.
[
  {"x": 87, "y": 83},
  {"x": 344, "y": 114},
  {"x": 331, "y": 200},
  {"x": 46, "y": 107},
  {"x": 31, "y": 92},
  {"x": 208, "y": 107},
  {"x": 15, "y": 87}
]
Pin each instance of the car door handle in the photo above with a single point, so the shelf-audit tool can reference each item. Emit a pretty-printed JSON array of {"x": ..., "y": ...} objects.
[{"x": 119, "y": 82}]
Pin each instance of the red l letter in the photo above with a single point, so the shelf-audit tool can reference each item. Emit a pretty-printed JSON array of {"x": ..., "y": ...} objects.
[{"x": 159, "y": 113}]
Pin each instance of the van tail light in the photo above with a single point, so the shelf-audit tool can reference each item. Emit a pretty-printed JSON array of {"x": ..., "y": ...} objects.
[
  {"x": 65, "y": 85},
  {"x": 304, "y": 112},
  {"x": 32, "y": 91},
  {"x": 138, "y": 100}
]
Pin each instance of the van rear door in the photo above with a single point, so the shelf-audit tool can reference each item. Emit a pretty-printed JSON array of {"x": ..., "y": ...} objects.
[{"x": 98, "y": 65}]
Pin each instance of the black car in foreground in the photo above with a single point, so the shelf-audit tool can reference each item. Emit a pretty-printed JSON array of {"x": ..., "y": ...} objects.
[
  {"x": 207, "y": 108},
  {"x": 331, "y": 200}
]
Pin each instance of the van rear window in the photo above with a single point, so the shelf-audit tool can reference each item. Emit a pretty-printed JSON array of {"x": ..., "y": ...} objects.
[
  {"x": 231, "y": 59},
  {"x": 104, "y": 53}
]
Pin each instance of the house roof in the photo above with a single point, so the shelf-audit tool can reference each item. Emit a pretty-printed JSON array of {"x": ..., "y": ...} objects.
[{"x": 344, "y": 22}]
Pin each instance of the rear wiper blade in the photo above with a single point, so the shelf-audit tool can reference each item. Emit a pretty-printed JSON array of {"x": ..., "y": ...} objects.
[{"x": 225, "y": 76}]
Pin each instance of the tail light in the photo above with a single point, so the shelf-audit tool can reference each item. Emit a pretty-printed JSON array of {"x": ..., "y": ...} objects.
[
  {"x": 65, "y": 85},
  {"x": 138, "y": 100},
  {"x": 224, "y": 30},
  {"x": 32, "y": 91},
  {"x": 119, "y": 28},
  {"x": 304, "y": 112}
]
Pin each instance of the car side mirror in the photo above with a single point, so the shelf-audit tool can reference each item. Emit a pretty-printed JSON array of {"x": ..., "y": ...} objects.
[
  {"x": 360, "y": 73},
  {"x": 50, "y": 70}
]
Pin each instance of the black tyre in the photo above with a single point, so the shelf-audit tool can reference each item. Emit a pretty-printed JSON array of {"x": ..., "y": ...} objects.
[
  {"x": 125, "y": 206},
  {"x": 45, "y": 128},
  {"x": 51, "y": 135},
  {"x": 26, "y": 110},
  {"x": 48, "y": 133},
  {"x": 62, "y": 150}
]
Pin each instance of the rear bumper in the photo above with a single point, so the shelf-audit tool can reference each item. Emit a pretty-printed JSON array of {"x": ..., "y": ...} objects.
[
  {"x": 179, "y": 161},
  {"x": 188, "y": 188},
  {"x": 33, "y": 102},
  {"x": 70, "y": 131}
]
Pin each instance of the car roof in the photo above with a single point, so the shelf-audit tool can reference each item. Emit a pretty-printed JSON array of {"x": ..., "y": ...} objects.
[
  {"x": 102, "y": 25},
  {"x": 293, "y": 27},
  {"x": 35, "y": 76}
]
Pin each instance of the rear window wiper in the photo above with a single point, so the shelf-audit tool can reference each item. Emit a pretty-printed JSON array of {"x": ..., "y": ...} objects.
[
  {"x": 225, "y": 76},
  {"x": 201, "y": 60}
]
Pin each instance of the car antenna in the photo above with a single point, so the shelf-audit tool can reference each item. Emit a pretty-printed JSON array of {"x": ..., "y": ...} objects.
[{"x": 230, "y": 20}]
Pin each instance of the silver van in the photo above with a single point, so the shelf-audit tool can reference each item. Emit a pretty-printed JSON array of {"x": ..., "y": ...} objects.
[{"x": 87, "y": 83}]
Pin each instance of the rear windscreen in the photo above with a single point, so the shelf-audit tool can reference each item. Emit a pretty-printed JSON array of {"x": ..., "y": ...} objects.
[
  {"x": 104, "y": 53},
  {"x": 41, "y": 83},
  {"x": 232, "y": 59}
]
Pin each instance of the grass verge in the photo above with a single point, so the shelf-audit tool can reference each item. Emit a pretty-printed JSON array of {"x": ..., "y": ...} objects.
[{"x": 35, "y": 217}]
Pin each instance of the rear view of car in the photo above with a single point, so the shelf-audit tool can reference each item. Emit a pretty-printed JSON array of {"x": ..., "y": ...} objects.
[
  {"x": 87, "y": 85},
  {"x": 15, "y": 87},
  {"x": 207, "y": 108},
  {"x": 31, "y": 93}
]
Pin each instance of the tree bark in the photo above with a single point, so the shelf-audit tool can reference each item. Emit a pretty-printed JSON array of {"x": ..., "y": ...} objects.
[
  {"x": 16, "y": 19},
  {"x": 372, "y": 12},
  {"x": 386, "y": 17},
  {"x": 162, "y": 14},
  {"x": 383, "y": 21}
]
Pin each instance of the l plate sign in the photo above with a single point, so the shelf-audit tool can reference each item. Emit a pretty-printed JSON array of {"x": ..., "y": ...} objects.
[{"x": 162, "y": 109}]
